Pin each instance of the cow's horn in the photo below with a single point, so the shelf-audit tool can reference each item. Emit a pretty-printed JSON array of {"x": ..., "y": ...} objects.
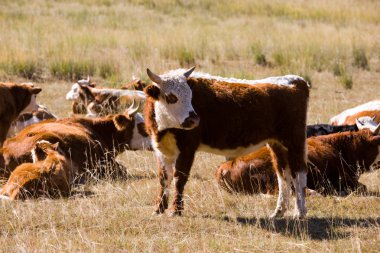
[
  {"x": 155, "y": 78},
  {"x": 133, "y": 109},
  {"x": 188, "y": 72}
]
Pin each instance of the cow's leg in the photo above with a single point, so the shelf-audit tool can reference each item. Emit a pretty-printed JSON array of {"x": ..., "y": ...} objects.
[
  {"x": 284, "y": 187},
  {"x": 297, "y": 164},
  {"x": 181, "y": 175},
  {"x": 299, "y": 183},
  {"x": 165, "y": 175}
]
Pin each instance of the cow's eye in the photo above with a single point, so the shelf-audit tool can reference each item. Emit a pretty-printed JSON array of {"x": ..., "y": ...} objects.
[{"x": 171, "y": 98}]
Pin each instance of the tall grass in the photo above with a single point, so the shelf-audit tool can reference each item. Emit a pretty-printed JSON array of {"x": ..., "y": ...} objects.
[{"x": 65, "y": 39}]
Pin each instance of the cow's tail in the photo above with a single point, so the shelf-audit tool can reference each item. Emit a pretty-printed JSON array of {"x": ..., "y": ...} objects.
[{"x": 279, "y": 156}]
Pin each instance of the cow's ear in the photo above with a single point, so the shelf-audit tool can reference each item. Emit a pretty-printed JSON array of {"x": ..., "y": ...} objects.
[
  {"x": 152, "y": 91},
  {"x": 92, "y": 85},
  {"x": 36, "y": 90},
  {"x": 121, "y": 122}
]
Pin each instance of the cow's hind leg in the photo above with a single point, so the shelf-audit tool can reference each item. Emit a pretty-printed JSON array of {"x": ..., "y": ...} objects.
[
  {"x": 299, "y": 183},
  {"x": 181, "y": 175},
  {"x": 280, "y": 164}
]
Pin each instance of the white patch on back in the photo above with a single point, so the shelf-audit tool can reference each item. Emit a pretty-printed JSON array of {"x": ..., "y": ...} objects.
[
  {"x": 341, "y": 118},
  {"x": 279, "y": 80},
  {"x": 232, "y": 153}
]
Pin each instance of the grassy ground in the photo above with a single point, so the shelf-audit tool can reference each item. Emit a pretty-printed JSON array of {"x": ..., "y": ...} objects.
[{"x": 333, "y": 43}]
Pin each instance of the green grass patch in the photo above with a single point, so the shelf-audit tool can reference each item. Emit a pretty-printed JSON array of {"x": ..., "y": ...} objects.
[{"x": 71, "y": 70}]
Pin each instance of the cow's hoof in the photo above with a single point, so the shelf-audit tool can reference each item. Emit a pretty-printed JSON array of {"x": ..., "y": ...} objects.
[{"x": 174, "y": 213}]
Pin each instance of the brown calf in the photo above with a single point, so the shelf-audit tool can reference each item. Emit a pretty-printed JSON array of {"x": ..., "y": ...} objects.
[
  {"x": 50, "y": 175},
  {"x": 226, "y": 117},
  {"x": 89, "y": 142},
  {"x": 335, "y": 163}
]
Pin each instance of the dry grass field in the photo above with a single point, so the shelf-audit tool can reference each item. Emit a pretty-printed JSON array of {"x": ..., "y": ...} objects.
[{"x": 335, "y": 44}]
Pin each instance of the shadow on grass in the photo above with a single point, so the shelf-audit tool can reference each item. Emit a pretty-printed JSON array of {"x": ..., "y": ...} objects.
[{"x": 312, "y": 227}]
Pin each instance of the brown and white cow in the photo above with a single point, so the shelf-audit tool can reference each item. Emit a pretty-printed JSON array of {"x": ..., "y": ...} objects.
[
  {"x": 102, "y": 101},
  {"x": 349, "y": 116},
  {"x": 29, "y": 118},
  {"x": 226, "y": 117},
  {"x": 89, "y": 142},
  {"x": 335, "y": 163},
  {"x": 50, "y": 174},
  {"x": 14, "y": 100},
  {"x": 110, "y": 101}
]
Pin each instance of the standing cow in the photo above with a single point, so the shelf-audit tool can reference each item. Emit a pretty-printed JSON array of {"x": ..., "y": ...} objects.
[{"x": 226, "y": 117}]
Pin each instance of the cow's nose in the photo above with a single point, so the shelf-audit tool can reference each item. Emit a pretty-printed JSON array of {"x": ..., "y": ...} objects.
[{"x": 191, "y": 122}]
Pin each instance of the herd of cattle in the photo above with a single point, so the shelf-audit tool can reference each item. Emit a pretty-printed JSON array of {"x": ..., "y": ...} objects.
[{"x": 258, "y": 125}]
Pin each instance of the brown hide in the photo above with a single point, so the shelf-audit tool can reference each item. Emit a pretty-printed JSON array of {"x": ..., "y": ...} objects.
[
  {"x": 51, "y": 176},
  {"x": 89, "y": 142},
  {"x": 232, "y": 116},
  {"x": 136, "y": 84},
  {"x": 252, "y": 173},
  {"x": 14, "y": 98},
  {"x": 333, "y": 162},
  {"x": 350, "y": 120}
]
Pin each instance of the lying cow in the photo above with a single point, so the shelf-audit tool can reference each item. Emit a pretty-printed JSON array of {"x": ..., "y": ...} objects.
[
  {"x": 29, "y": 118},
  {"x": 50, "y": 174},
  {"x": 15, "y": 99},
  {"x": 348, "y": 117},
  {"x": 335, "y": 163},
  {"x": 226, "y": 117},
  {"x": 109, "y": 101},
  {"x": 103, "y": 100},
  {"x": 91, "y": 143}
]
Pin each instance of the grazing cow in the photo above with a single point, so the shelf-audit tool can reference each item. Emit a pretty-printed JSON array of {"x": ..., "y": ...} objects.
[
  {"x": 212, "y": 114},
  {"x": 324, "y": 129},
  {"x": 89, "y": 142},
  {"x": 29, "y": 118},
  {"x": 14, "y": 100},
  {"x": 349, "y": 116},
  {"x": 50, "y": 174},
  {"x": 335, "y": 163}
]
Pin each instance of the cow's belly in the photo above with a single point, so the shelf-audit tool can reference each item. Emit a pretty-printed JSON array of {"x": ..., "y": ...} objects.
[{"x": 232, "y": 153}]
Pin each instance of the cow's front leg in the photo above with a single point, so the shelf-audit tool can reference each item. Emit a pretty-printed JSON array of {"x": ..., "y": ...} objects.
[
  {"x": 181, "y": 175},
  {"x": 165, "y": 175}
]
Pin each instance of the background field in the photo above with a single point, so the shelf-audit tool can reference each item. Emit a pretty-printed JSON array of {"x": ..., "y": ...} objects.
[{"x": 334, "y": 44}]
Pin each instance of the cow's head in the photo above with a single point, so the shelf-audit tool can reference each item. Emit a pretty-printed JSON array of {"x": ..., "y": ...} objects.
[
  {"x": 73, "y": 94},
  {"x": 172, "y": 96},
  {"x": 25, "y": 96}
]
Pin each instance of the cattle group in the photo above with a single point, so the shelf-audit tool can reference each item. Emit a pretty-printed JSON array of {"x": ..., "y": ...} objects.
[{"x": 259, "y": 126}]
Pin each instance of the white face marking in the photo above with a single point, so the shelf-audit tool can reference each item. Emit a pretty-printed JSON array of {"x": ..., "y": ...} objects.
[
  {"x": 31, "y": 106},
  {"x": 232, "y": 153},
  {"x": 138, "y": 141},
  {"x": 341, "y": 118},
  {"x": 73, "y": 94},
  {"x": 172, "y": 115}
]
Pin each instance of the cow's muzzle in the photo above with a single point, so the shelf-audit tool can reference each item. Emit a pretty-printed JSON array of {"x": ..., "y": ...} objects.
[{"x": 191, "y": 122}]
